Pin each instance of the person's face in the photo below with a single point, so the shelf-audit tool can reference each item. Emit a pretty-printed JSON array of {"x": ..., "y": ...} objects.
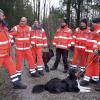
[
  {"x": 82, "y": 25},
  {"x": 63, "y": 24},
  {"x": 36, "y": 23},
  {"x": 23, "y": 22}
]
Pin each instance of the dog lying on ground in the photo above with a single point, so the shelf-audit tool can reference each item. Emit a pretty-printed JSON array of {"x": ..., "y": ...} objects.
[
  {"x": 57, "y": 85},
  {"x": 46, "y": 58}
]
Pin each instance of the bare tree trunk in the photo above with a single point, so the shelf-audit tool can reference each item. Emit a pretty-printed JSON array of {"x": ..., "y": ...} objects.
[
  {"x": 68, "y": 10},
  {"x": 38, "y": 15}
]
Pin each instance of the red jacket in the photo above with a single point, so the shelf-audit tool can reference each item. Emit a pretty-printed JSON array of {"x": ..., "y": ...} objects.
[
  {"x": 39, "y": 38},
  {"x": 91, "y": 42},
  {"x": 4, "y": 42},
  {"x": 62, "y": 38},
  {"x": 22, "y": 37},
  {"x": 80, "y": 37}
]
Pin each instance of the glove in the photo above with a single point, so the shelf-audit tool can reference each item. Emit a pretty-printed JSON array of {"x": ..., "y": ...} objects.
[{"x": 95, "y": 51}]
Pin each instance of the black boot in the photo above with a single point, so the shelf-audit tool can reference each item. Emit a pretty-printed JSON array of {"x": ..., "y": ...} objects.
[
  {"x": 47, "y": 68},
  {"x": 19, "y": 85},
  {"x": 93, "y": 82},
  {"x": 84, "y": 83},
  {"x": 53, "y": 68},
  {"x": 65, "y": 71},
  {"x": 98, "y": 88},
  {"x": 41, "y": 72},
  {"x": 36, "y": 74}
]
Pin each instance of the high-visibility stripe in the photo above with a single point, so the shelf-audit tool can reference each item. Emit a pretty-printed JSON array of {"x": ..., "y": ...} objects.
[
  {"x": 86, "y": 78},
  {"x": 62, "y": 37},
  {"x": 44, "y": 38},
  {"x": 32, "y": 69},
  {"x": 74, "y": 36},
  {"x": 32, "y": 42},
  {"x": 22, "y": 39},
  {"x": 23, "y": 48},
  {"x": 39, "y": 44},
  {"x": 87, "y": 50},
  {"x": 2, "y": 55},
  {"x": 81, "y": 38},
  {"x": 14, "y": 80},
  {"x": 97, "y": 31},
  {"x": 13, "y": 76},
  {"x": 83, "y": 47},
  {"x": 62, "y": 46},
  {"x": 45, "y": 44},
  {"x": 95, "y": 78},
  {"x": 74, "y": 66},
  {"x": 4, "y": 42},
  {"x": 38, "y": 37},
  {"x": 94, "y": 41},
  {"x": 72, "y": 42},
  {"x": 69, "y": 45},
  {"x": 10, "y": 36},
  {"x": 40, "y": 68},
  {"x": 55, "y": 37},
  {"x": 54, "y": 43},
  {"x": 98, "y": 42}
]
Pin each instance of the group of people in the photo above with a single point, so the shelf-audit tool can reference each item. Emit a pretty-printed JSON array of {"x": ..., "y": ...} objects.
[
  {"x": 29, "y": 42},
  {"x": 86, "y": 53}
]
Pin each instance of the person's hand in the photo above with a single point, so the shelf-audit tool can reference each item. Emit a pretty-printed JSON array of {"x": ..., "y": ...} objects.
[{"x": 95, "y": 51}]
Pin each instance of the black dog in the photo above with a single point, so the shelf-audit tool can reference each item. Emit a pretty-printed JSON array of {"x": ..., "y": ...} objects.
[
  {"x": 57, "y": 85},
  {"x": 46, "y": 58}
]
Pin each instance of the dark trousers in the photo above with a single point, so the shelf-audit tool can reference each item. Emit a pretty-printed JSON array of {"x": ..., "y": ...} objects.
[{"x": 64, "y": 54}]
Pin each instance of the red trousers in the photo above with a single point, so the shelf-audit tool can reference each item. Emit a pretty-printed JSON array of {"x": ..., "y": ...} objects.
[
  {"x": 92, "y": 65},
  {"x": 79, "y": 53},
  {"x": 37, "y": 56},
  {"x": 20, "y": 55},
  {"x": 7, "y": 62}
]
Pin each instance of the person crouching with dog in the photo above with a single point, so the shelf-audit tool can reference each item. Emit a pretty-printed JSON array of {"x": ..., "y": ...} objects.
[
  {"x": 39, "y": 41},
  {"x": 62, "y": 41}
]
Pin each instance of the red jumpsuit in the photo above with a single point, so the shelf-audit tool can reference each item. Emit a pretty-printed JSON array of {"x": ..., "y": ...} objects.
[
  {"x": 22, "y": 35},
  {"x": 92, "y": 70},
  {"x": 79, "y": 40},
  {"x": 5, "y": 58},
  {"x": 39, "y": 40}
]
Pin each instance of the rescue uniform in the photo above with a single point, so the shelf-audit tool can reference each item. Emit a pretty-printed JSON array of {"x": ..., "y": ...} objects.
[
  {"x": 22, "y": 35},
  {"x": 78, "y": 41},
  {"x": 5, "y": 58},
  {"x": 39, "y": 40},
  {"x": 62, "y": 40}
]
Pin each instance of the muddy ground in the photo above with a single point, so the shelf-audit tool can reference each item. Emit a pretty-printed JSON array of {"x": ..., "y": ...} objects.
[{"x": 7, "y": 93}]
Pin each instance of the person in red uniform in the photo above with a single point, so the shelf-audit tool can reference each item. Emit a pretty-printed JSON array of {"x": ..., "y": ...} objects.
[
  {"x": 39, "y": 41},
  {"x": 79, "y": 39},
  {"x": 62, "y": 41},
  {"x": 92, "y": 44},
  {"x": 22, "y": 36},
  {"x": 6, "y": 59}
]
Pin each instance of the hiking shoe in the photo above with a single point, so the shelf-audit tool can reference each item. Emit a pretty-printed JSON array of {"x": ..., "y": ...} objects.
[{"x": 84, "y": 83}]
